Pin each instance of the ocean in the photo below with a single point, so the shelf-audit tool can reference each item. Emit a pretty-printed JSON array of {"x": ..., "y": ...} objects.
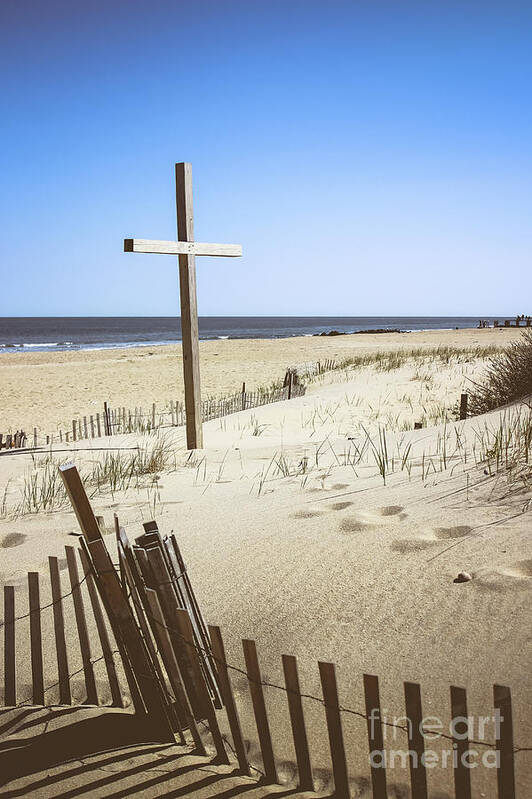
[{"x": 33, "y": 334}]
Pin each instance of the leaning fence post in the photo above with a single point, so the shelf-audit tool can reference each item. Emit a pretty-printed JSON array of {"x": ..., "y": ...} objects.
[{"x": 463, "y": 406}]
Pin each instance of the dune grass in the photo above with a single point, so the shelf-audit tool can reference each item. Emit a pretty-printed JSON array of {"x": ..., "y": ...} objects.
[{"x": 508, "y": 377}]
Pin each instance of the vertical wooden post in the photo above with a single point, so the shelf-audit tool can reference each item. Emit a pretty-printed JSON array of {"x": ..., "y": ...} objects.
[
  {"x": 463, "y": 406},
  {"x": 462, "y": 774},
  {"x": 36, "y": 639},
  {"x": 10, "y": 688},
  {"x": 65, "y": 697},
  {"x": 375, "y": 737},
  {"x": 416, "y": 741},
  {"x": 259, "y": 710},
  {"x": 35, "y": 437},
  {"x": 189, "y": 308},
  {"x": 81, "y": 623},
  {"x": 505, "y": 742},
  {"x": 228, "y": 697},
  {"x": 98, "y": 426},
  {"x": 297, "y": 721},
  {"x": 73, "y": 429},
  {"x": 243, "y": 396},
  {"x": 334, "y": 729},
  {"x": 106, "y": 420}
]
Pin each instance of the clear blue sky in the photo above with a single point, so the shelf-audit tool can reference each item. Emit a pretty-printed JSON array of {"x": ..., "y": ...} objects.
[{"x": 371, "y": 157}]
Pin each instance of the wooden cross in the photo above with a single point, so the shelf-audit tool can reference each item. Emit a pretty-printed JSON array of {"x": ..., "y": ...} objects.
[{"x": 186, "y": 249}]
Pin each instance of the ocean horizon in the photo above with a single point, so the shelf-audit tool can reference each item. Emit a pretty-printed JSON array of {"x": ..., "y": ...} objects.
[{"x": 34, "y": 334}]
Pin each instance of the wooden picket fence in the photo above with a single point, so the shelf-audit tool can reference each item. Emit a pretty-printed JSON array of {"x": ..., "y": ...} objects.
[
  {"x": 117, "y": 420},
  {"x": 17, "y": 440},
  {"x": 177, "y": 673}
]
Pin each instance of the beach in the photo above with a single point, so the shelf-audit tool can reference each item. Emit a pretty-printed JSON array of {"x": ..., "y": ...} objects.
[
  {"x": 47, "y": 390},
  {"x": 295, "y": 536}
]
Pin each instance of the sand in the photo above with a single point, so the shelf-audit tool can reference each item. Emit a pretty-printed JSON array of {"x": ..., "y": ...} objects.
[
  {"x": 293, "y": 543},
  {"x": 48, "y": 389}
]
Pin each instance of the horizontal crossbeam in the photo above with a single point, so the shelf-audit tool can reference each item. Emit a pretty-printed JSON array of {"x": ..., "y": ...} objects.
[{"x": 181, "y": 248}]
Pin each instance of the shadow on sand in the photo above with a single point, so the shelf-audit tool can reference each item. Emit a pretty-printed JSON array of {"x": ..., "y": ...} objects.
[{"x": 69, "y": 752}]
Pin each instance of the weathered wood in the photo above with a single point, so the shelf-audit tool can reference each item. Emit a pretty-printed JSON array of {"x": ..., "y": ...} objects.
[
  {"x": 99, "y": 555},
  {"x": 416, "y": 741},
  {"x": 463, "y": 406},
  {"x": 171, "y": 665},
  {"x": 297, "y": 721},
  {"x": 131, "y": 581},
  {"x": 189, "y": 309},
  {"x": 81, "y": 624},
  {"x": 10, "y": 685},
  {"x": 462, "y": 774},
  {"x": 334, "y": 729},
  {"x": 259, "y": 710},
  {"x": 228, "y": 698},
  {"x": 505, "y": 742},
  {"x": 182, "y": 248},
  {"x": 184, "y": 628},
  {"x": 65, "y": 696},
  {"x": 188, "y": 599},
  {"x": 118, "y": 607},
  {"x": 114, "y": 685},
  {"x": 36, "y": 639},
  {"x": 375, "y": 736}
]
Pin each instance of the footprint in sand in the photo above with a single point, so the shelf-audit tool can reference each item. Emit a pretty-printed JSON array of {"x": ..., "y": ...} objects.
[
  {"x": 354, "y": 526},
  {"x": 305, "y": 514},
  {"x": 12, "y": 540},
  {"x": 431, "y": 539},
  {"x": 444, "y": 533},
  {"x": 514, "y": 576},
  {"x": 340, "y": 505},
  {"x": 392, "y": 510}
]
